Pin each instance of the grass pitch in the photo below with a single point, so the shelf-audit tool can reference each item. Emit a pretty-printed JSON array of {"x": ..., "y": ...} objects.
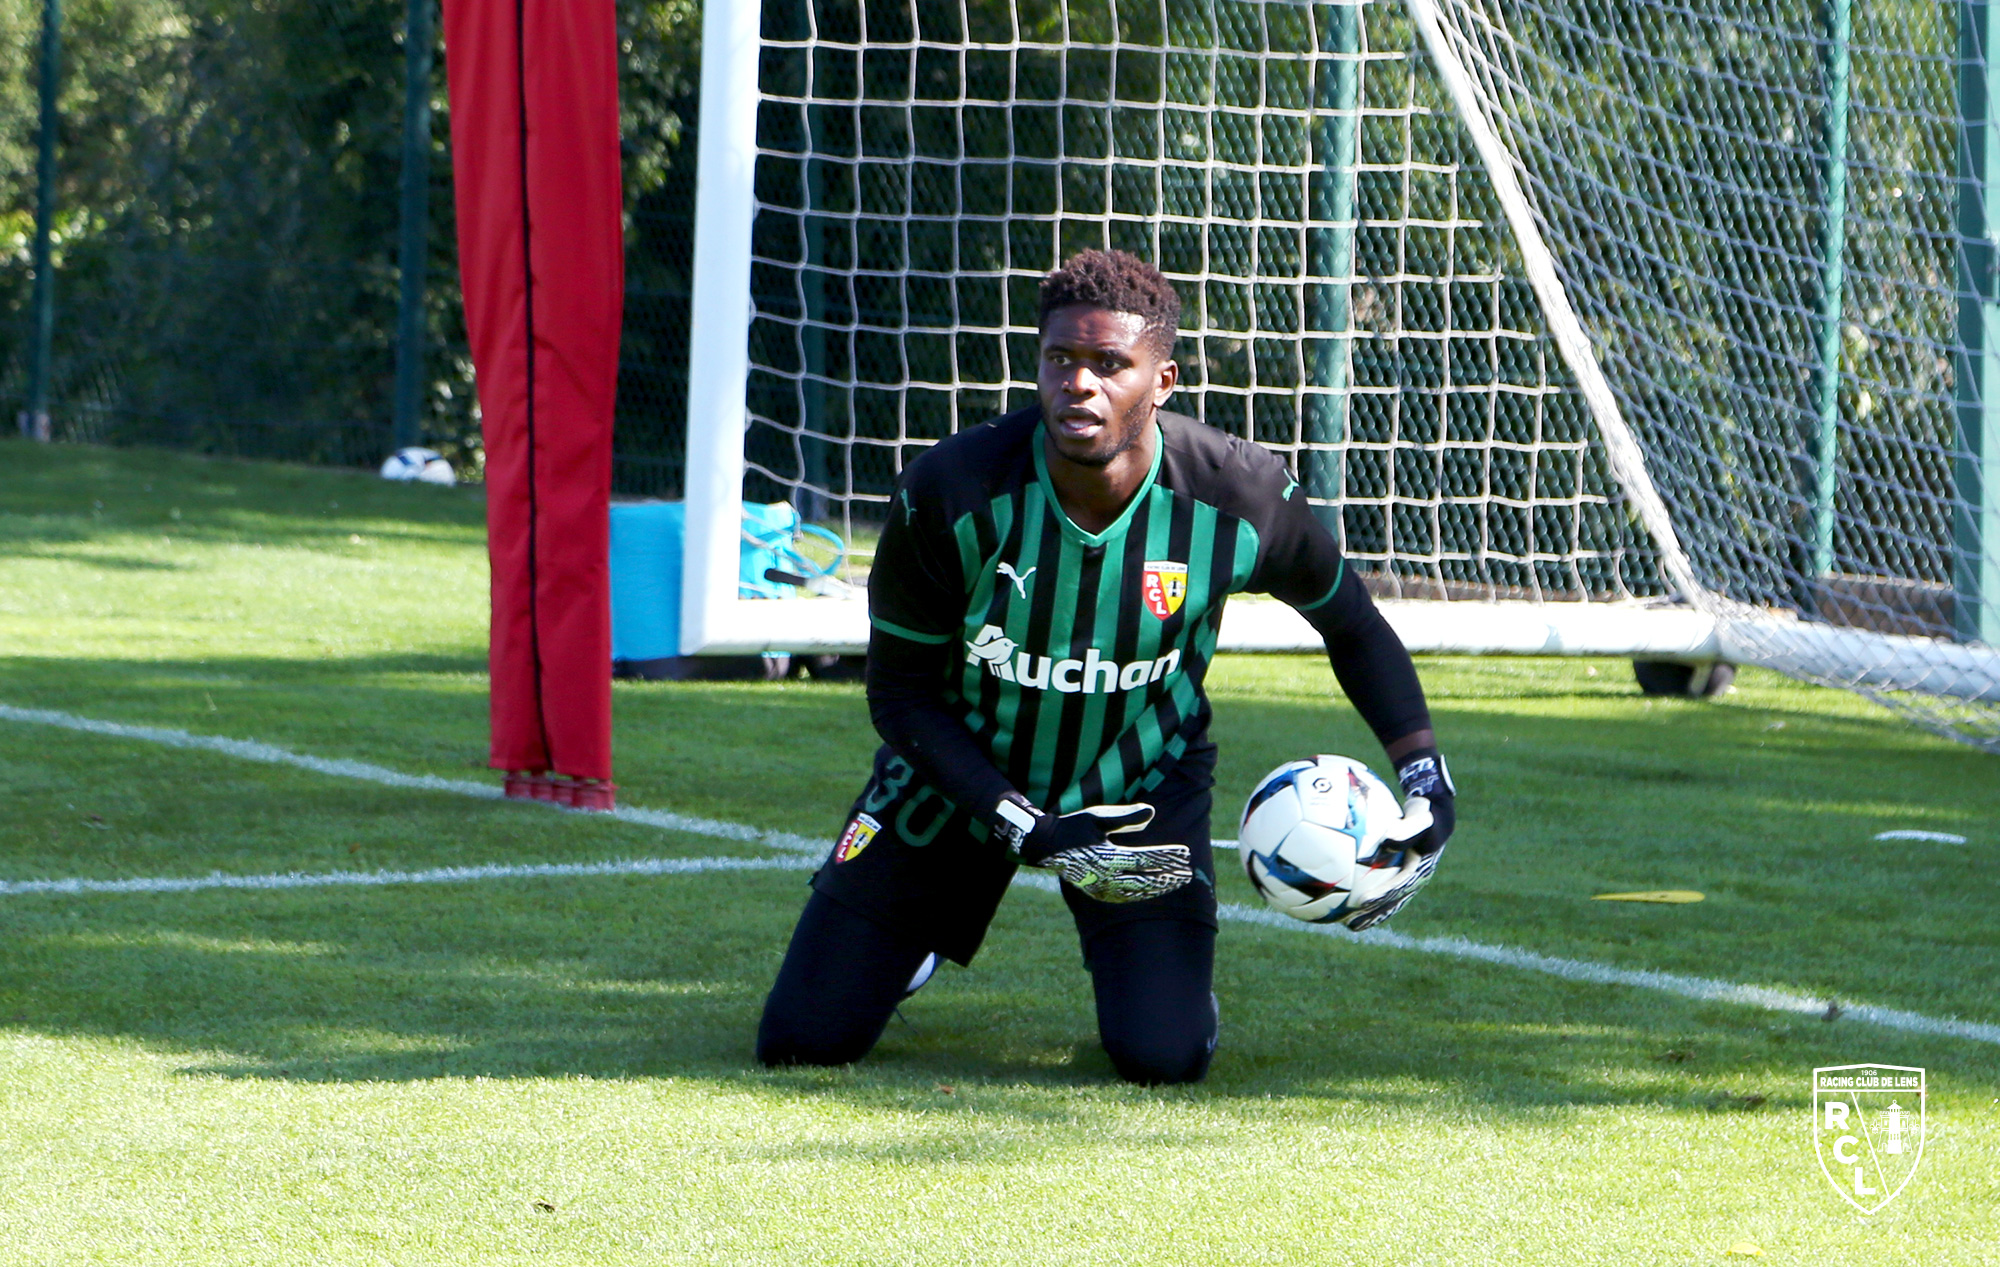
[{"x": 557, "y": 1071}]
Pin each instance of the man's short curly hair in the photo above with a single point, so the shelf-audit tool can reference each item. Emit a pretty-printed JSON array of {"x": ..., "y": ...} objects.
[{"x": 1122, "y": 283}]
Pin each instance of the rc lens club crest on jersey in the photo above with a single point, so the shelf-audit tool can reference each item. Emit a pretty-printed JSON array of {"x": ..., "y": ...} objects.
[{"x": 1164, "y": 586}]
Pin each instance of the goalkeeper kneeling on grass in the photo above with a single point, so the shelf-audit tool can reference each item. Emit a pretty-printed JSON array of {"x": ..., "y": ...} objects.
[{"x": 1045, "y": 602}]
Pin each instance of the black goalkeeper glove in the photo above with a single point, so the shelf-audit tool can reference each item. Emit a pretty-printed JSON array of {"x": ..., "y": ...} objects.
[
  {"x": 1078, "y": 848},
  {"x": 1423, "y": 775},
  {"x": 1429, "y": 814}
]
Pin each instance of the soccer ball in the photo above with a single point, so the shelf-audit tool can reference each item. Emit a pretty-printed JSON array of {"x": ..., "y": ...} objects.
[
  {"x": 1312, "y": 830},
  {"x": 425, "y": 465}
]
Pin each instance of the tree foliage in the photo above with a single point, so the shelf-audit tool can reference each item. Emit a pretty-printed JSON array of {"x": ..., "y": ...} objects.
[{"x": 227, "y": 228}]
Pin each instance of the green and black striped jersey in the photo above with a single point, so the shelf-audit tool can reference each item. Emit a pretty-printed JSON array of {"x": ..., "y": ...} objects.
[{"x": 1084, "y": 653}]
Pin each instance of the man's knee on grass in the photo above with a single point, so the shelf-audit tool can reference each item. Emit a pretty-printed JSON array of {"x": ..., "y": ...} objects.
[
  {"x": 793, "y": 1040},
  {"x": 1156, "y": 1011},
  {"x": 1161, "y": 1058},
  {"x": 842, "y": 978}
]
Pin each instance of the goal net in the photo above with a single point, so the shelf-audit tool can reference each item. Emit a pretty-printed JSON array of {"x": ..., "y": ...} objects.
[{"x": 1598, "y": 326}]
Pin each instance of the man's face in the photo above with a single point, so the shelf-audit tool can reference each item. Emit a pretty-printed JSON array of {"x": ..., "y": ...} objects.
[{"x": 1100, "y": 382}]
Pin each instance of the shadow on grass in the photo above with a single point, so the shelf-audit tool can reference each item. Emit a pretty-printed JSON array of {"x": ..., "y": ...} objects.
[
  {"x": 276, "y": 700},
  {"x": 624, "y": 979},
  {"x": 787, "y": 755},
  {"x": 98, "y": 561},
  {"x": 621, "y": 979},
  {"x": 79, "y": 494},
  {"x": 56, "y": 680}
]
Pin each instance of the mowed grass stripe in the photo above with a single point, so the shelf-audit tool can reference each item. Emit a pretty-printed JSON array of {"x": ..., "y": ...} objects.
[{"x": 805, "y": 851}]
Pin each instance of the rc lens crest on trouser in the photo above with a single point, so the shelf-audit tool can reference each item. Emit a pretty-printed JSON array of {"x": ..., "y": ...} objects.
[
  {"x": 1868, "y": 1129},
  {"x": 861, "y": 829}
]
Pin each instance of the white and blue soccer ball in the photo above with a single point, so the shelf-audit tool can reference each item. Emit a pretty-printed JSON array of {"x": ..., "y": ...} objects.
[
  {"x": 424, "y": 465},
  {"x": 1313, "y": 830}
]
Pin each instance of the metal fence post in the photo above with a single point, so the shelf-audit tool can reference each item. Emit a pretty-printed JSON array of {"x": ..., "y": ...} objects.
[
  {"x": 1976, "y": 517},
  {"x": 814, "y": 506},
  {"x": 419, "y": 44},
  {"x": 1833, "y": 279},
  {"x": 35, "y": 419},
  {"x": 1335, "y": 204}
]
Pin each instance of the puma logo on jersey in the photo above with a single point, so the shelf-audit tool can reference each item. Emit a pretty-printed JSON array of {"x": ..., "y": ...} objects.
[
  {"x": 1020, "y": 579},
  {"x": 1092, "y": 675}
]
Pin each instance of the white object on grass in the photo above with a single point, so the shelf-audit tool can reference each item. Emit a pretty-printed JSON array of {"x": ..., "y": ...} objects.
[{"x": 425, "y": 466}]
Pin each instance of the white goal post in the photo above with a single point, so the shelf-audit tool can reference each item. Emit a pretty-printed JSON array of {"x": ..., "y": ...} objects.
[{"x": 1410, "y": 267}]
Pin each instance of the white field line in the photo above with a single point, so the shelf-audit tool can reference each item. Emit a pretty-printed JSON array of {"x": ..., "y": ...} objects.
[
  {"x": 271, "y": 754},
  {"x": 805, "y": 851},
  {"x": 436, "y": 875},
  {"x": 1702, "y": 989}
]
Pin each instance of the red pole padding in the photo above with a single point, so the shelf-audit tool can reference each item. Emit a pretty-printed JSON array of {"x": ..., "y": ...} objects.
[{"x": 534, "y": 133}]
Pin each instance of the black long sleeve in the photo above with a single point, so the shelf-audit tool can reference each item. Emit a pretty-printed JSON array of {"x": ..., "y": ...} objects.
[
  {"x": 908, "y": 712},
  {"x": 1370, "y": 661}
]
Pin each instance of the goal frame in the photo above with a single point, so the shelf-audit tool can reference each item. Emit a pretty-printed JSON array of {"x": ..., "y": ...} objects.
[{"x": 715, "y": 621}]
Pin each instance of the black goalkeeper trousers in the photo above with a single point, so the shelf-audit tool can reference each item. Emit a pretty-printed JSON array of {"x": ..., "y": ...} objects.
[{"x": 844, "y": 974}]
